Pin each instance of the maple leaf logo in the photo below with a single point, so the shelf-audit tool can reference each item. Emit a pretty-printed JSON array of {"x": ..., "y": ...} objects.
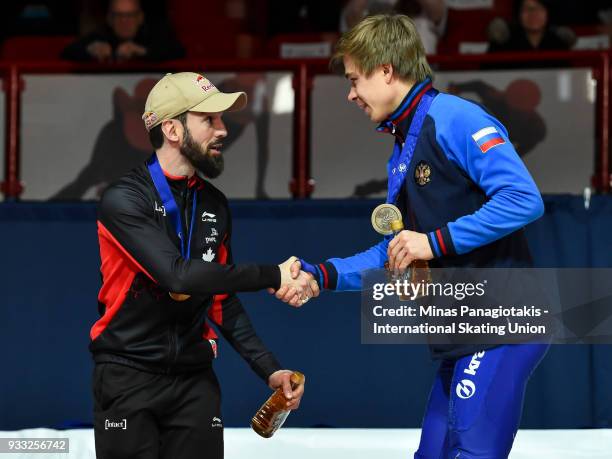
[{"x": 209, "y": 255}]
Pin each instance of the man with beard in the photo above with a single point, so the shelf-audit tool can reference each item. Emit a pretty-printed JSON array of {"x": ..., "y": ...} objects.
[{"x": 165, "y": 245}]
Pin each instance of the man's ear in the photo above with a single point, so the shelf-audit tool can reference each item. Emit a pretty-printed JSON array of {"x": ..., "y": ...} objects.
[
  {"x": 173, "y": 130},
  {"x": 387, "y": 72}
]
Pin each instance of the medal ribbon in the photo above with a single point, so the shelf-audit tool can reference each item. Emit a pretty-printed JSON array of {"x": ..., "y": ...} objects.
[
  {"x": 169, "y": 203},
  {"x": 397, "y": 167}
]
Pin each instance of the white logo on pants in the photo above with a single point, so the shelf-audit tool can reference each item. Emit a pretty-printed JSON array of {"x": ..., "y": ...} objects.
[{"x": 465, "y": 389}]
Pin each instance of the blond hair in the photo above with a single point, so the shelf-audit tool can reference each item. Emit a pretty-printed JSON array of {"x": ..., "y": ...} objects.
[{"x": 385, "y": 39}]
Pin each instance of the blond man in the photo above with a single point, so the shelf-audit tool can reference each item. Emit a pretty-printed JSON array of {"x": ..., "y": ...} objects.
[{"x": 465, "y": 196}]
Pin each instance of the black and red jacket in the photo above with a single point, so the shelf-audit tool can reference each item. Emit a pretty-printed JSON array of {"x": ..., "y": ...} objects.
[{"x": 141, "y": 325}]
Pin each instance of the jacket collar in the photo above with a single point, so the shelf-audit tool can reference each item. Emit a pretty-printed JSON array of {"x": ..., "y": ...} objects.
[{"x": 399, "y": 120}]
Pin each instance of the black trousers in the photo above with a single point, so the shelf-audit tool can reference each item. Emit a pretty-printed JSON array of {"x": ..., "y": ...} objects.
[{"x": 140, "y": 415}]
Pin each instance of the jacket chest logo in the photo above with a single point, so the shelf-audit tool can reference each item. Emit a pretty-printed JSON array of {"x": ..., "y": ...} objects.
[
  {"x": 212, "y": 239},
  {"x": 160, "y": 209},
  {"x": 422, "y": 173},
  {"x": 209, "y": 255},
  {"x": 209, "y": 217}
]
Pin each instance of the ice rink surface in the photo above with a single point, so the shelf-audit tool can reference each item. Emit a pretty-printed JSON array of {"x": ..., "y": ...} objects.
[{"x": 349, "y": 444}]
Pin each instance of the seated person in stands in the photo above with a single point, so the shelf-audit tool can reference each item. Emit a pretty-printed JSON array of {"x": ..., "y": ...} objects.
[
  {"x": 531, "y": 32},
  {"x": 126, "y": 37}
]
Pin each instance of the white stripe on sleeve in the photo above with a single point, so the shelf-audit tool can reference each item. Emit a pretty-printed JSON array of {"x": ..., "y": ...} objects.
[{"x": 486, "y": 131}]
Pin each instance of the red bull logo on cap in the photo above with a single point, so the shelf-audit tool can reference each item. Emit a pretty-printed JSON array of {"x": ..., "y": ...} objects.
[{"x": 204, "y": 83}]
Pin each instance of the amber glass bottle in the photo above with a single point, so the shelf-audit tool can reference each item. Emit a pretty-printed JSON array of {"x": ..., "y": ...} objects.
[
  {"x": 418, "y": 271},
  {"x": 273, "y": 413}
]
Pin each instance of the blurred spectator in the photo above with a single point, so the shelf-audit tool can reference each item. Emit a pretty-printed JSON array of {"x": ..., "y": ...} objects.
[
  {"x": 532, "y": 31},
  {"x": 429, "y": 16},
  {"x": 125, "y": 37}
]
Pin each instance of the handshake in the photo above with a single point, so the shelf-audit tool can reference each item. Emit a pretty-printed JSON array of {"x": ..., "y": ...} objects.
[{"x": 296, "y": 286}]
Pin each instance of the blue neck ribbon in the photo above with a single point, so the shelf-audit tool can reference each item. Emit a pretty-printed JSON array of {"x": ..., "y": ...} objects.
[
  {"x": 397, "y": 167},
  {"x": 169, "y": 203}
]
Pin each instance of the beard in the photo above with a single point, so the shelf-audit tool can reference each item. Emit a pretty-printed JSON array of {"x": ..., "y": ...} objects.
[{"x": 204, "y": 161}]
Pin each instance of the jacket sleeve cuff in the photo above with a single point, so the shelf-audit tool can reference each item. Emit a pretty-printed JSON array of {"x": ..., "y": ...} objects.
[
  {"x": 441, "y": 243},
  {"x": 329, "y": 275},
  {"x": 265, "y": 366},
  {"x": 271, "y": 276},
  {"x": 324, "y": 273}
]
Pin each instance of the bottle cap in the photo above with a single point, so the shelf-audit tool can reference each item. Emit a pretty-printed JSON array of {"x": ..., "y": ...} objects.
[
  {"x": 397, "y": 225},
  {"x": 297, "y": 378}
]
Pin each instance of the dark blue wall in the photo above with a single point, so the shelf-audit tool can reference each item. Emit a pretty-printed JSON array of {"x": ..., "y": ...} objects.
[{"x": 49, "y": 280}]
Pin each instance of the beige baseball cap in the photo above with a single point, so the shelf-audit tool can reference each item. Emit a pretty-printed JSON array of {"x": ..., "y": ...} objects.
[{"x": 181, "y": 92}]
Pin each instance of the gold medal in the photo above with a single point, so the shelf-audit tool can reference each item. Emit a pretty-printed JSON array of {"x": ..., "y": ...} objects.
[
  {"x": 179, "y": 296},
  {"x": 382, "y": 217}
]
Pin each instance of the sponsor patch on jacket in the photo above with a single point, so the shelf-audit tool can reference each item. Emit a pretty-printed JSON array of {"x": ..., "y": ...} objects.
[{"x": 488, "y": 138}]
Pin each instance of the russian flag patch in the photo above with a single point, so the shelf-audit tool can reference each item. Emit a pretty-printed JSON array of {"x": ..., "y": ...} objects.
[{"x": 488, "y": 138}]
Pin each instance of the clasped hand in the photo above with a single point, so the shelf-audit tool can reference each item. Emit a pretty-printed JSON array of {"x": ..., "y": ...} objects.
[
  {"x": 297, "y": 286},
  {"x": 406, "y": 247}
]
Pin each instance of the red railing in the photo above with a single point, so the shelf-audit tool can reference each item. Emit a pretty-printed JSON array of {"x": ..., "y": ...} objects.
[{"x": 302, "y": 184}]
